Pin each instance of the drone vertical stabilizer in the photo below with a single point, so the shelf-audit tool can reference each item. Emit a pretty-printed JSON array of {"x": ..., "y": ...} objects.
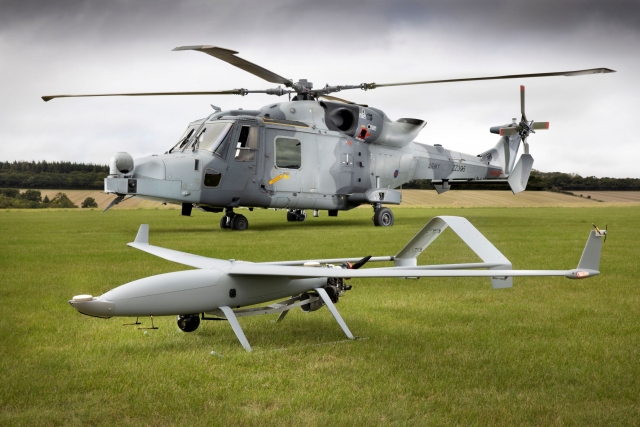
[{"x": 590, "y": 259}]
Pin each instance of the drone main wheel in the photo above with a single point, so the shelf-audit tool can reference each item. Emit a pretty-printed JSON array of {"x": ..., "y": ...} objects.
[
  {"x": 188, "y": 322},
  {"x": 383, "y": 217},
  {"x": 239, "y": 222}
]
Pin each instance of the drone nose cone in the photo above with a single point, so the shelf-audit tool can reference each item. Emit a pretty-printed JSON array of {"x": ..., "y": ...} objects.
[{"x": 91, "y": 306}]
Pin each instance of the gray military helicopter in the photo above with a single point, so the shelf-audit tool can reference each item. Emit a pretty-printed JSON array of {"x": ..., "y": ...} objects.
[
  {"x": 218, "y": 289},
  {"x": 315, "y": 152}
]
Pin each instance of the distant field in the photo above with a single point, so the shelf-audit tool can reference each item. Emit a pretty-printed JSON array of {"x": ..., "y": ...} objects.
[
  {"x": 414, "y": 198},
  {"x": 549, "y": 351}
]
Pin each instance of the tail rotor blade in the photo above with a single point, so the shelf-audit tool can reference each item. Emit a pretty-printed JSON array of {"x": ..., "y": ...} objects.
[
  {"x": 540, "y": 125},
  {"x": 508, "y": 131},
  {"x": 524, "y": 116}
]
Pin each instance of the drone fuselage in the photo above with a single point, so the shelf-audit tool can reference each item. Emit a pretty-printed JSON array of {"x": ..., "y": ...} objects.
[{"x": 297, "y": 155}]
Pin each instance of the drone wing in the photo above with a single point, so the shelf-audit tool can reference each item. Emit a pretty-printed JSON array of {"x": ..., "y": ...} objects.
[
  {"x": 250, "y": 269},
  {"x": 197, "y": 261}
]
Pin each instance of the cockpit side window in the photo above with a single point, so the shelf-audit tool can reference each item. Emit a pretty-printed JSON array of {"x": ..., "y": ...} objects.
[
  {"x": 247, "y": 144},
  {"x": 288, "y": 153}
]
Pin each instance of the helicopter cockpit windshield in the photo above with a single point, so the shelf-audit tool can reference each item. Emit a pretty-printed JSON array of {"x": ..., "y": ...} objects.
[
  {"x": 211, "y": 136},
  {"x": 184, "y": 139}
]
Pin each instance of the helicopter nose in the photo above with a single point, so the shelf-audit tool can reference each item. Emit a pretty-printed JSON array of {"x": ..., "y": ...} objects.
[
  {"x": 149, "y": 167},
  {"x": 92, "y": 306}
]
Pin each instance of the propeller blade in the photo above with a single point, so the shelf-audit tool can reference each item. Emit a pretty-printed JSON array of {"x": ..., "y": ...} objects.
[
  {"x": 229, "y": 57},
  {"x": 335, "y": 98},
  {"x": 223, "y": 92},
  {"x": 508, "y": 131},
  {"x": 540, "y": 125},
  {"x": 510, "y": 76},
  {"x": 360, "y": 263},
  {"x": 524, "y": 116}
]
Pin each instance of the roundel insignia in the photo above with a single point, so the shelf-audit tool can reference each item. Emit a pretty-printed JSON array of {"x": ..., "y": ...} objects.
[
  {"x": 395, "y": 174},
  {"x": 349, "y": 142}
]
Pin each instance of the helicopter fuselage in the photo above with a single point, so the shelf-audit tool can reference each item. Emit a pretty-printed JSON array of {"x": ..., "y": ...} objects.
[{"x": 295, "y": 155}]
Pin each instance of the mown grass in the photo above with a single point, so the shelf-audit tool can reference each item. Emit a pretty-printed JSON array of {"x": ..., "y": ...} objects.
[{"x": 549, "y": 351}]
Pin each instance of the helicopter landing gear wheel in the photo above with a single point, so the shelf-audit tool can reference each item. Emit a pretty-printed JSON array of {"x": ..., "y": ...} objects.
[
  {"x": 224, "y": 222},
  {"x": 188, "y": 322},
  {"x": 382, "y": 217},
  {"x": 239, "y": 222},
  {"x": 294, "y": 215}
]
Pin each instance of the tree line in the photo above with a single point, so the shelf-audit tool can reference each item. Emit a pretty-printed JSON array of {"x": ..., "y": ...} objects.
[
  {"x": 59, "y": 175},
  {"x": 549, "y": 181},
  {"x": 81, "y": 176}
]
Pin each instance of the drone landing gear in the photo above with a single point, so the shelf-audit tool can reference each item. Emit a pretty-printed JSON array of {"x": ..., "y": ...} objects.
[
  {"x": 234, "y": 221},
  {"x": 282, "y": 307},
  {"x": 382, "y": 217},
  {"x": 152, "y": 325},
  {"x": 294, "y": 215},
  {"x": 188, "y": 322}
]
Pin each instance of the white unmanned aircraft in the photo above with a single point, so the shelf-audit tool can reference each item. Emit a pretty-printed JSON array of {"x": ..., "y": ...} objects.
[{"x": 220, "y": 288}]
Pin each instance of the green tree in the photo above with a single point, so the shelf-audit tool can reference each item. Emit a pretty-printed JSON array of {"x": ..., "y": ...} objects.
[
  {"x": 89, "y": 202},
  {"x": 46, "y": 200},
  {"x": 61, "y": 200},
  {"x": 32, "y": 195},
  {"x": 10, "y": 192}
]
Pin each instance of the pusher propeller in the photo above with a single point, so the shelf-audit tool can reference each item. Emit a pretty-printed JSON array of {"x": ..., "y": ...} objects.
[
  {"x": 600, "y": 232},
  {"x": 360, "y": 263}
]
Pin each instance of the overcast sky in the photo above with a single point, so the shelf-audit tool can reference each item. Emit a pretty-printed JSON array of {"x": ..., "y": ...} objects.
[{"x": 73, "y": 46}]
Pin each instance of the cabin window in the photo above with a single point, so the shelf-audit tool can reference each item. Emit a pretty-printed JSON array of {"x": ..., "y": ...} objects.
[
  {"x": 211, "y": 137},
  {"x": 247, "y": 144},
  {"x": 212, "y": 178},
  {"x": 288, "y": 153}
]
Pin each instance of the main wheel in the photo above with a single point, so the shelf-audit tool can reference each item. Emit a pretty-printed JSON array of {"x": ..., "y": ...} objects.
[
  {"x": 188, "y": 322},
  {"x": 383, "y": 217},
  {"x": 291, "y": 216},
  {"x": 239, "y": 222},
  {"x": 301, "y": 214},
  {"x": 223, "y": 222}
]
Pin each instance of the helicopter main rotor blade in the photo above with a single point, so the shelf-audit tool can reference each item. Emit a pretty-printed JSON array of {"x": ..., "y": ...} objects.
[
  {"x": 223, "y": 92},
  {"x": 229, "y": 57},
  {"x": 346, "y": 101},
  {"x": 367, "y": 86}
]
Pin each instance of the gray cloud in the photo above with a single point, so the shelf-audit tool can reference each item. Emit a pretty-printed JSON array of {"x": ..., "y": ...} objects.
[{"x": 97, "y": 46}]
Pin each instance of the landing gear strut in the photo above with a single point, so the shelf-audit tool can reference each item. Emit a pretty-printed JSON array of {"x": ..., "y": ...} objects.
[
  {"x": 296, "y": 215},
  {"x": 188, "y": 322},
  {"x": 382, "y": 217},
  {"x": 234, "y": 221}
]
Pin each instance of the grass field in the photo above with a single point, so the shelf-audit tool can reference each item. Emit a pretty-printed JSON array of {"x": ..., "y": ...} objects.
[{"x": 549, "y": 351}]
